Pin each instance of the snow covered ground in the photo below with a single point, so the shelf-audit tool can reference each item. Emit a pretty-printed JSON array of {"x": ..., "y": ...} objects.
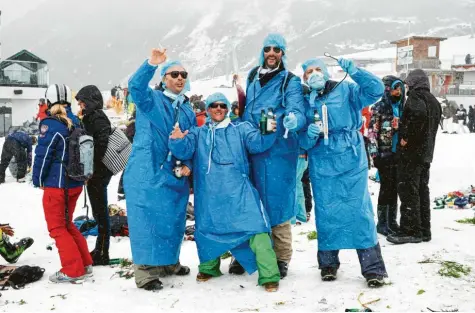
[{"x": 301, "y": 291}]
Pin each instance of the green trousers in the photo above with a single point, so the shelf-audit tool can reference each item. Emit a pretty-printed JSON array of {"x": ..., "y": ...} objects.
[{"x": 266, "y": 260}]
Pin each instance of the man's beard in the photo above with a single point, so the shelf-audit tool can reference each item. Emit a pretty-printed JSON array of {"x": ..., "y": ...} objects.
[{"x": 273, "y": 66}]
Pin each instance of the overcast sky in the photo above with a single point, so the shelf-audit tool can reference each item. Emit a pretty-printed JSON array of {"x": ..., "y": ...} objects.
[{"x": 13, "y": 9}]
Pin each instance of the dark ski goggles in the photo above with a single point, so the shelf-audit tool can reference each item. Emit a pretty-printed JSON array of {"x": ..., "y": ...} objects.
[
  {"x": 276, "y": 49},
  {"x": 216, "y": 104},
  {"x": 174, "y": 74}
]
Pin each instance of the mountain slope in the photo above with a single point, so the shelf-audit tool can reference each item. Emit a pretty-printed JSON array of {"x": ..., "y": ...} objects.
[{"x": 100, "y": 42}]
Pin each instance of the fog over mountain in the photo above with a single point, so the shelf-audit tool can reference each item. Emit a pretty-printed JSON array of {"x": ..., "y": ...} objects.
[{"x": 101, "y": 42}]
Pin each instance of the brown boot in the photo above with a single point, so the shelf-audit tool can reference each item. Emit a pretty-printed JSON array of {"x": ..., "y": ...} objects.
[
  {"x": 271, "y": 287},
  {"x": 202, "y": 277}
]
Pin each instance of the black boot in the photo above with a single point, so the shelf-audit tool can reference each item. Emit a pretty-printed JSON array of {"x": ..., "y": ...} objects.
[
  {"x": 382, "y": 226},
  {"x": 154, "y": 285},
  {"x": 328, "y": 273},
  {"x": 392, "y": 226},
  {"x": 402, "y": 239},
  {"x": 283, "y": 268},
  {"x": 235, "y": 268},
  {"x": 375, "y": 281},
  {"x": 100, "y": 254}
]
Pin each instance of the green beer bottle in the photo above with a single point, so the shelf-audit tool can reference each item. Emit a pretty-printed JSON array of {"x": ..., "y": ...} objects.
[{"x": 263, "y": 122}]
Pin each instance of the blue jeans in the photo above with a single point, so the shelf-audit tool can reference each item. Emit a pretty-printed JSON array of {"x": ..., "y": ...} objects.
[
  {"x": 371, "y": 260},
  {"x": 301, "y": 216}
]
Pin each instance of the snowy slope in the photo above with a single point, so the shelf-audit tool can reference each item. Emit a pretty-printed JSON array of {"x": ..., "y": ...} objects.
[{"x": 301, "y": 291}]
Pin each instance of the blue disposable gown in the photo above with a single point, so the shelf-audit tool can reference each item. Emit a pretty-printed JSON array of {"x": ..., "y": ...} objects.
[
  {"x": 274, "y": 172},
  {"x": 339, "y": 170},
  {"x": 156, "y": 199},
  {"x": 228, "y": 210}
]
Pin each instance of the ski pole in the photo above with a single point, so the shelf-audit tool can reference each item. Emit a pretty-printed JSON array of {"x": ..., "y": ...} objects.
[{"x": 328, "y": 55}]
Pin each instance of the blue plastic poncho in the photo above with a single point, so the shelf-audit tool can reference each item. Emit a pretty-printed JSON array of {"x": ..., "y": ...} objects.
[
  {"x": 274, "y": 172},
  {"x": 274, "y": 40},
  {"x": 228, "y": 209},
  {"x": 339, "y": 170},
  {"x": 156, "y": 199}
]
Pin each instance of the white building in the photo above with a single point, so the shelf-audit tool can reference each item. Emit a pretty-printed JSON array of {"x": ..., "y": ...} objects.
[{"x": 24, "y": 78}]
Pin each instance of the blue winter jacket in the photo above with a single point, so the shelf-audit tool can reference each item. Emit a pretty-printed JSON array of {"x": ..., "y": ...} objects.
[
  {"x": 51, "y": 155},
  {"x": 25, "y": 141}
]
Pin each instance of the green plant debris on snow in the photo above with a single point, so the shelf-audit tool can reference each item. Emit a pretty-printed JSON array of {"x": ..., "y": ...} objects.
[
  {"x": 428, "y": 261},
  {"x": 226, "y": 255},
  {"x": 60, "y": 296},
  {"x": 280, "y": 303},
  {"x": 126, "y": 263},
  {"x": 421, "y": 291},
  {"x": 388, "y": 306},
  {"x": 22, "y": 302},
  {"x": 453, "y": 269},
  {"x": 312, "y": 235},
  {"x": 467, "y": 221}
]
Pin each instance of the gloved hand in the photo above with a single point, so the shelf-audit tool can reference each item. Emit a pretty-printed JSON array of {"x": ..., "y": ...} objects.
[
  {"x": 347, "y": 65},
  {"x": 290, "y": 121},
  {"x": 313, "y": 131}
]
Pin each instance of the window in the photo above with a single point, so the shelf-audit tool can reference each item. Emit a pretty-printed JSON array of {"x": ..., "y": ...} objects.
[{"x": 432, "y": 52}]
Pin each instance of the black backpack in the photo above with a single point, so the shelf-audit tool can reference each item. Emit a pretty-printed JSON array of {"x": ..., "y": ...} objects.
[{"x": 23, "y": 275}]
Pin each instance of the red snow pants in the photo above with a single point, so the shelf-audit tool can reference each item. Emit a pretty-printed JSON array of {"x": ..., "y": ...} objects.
[{"x": 72, "y": 246}]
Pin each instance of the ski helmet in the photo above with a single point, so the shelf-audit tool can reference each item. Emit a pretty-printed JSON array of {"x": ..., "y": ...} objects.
[{"x": 58, "y": 94}]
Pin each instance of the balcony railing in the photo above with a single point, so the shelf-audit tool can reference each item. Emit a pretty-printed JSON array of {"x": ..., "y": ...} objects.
[
  {"x": 462, "y": 59},
  {"x": 23, "y": 74},
  {"x": 422, "y": 64}
]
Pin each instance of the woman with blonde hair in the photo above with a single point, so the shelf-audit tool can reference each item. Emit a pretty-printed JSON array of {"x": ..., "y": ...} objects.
[{"x": 49, "y": 174}]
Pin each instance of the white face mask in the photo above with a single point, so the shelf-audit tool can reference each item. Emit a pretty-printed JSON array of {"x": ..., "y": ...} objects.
[{"x": 316, "y": 80}]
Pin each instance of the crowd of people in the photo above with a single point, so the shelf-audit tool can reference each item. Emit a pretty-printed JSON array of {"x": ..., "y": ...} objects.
[{"x": 251, "y": 169}]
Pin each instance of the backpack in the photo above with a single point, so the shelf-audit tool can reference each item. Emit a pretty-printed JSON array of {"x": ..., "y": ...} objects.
[
  {"x": 23, "y": 275},
  {"x": 80, "y": 165}
]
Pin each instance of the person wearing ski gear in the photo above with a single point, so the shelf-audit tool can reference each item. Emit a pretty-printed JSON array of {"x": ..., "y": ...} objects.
[
  {"x": 129, "y": 133},
  {"x": 383, "y": 133},
  {"x": 234, "y": 218},
  {"x": 49, "y": 174},
  {"x": 461, "y": 119},
  {"x": 12, "y": 252},
  {"x": 97, "y": 125},
  {"x": 156, "y": 198},
  {"x": 42, "y": 109},
  {"x": 471, "y": 118},
  {"x": 19, "y": 145},
  {"x": 339, "y": 169},
  {"x": 417, "y": 132},
  {"x": 274, "y": 171}
]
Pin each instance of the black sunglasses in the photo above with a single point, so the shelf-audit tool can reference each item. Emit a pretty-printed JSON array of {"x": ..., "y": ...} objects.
[
  {"x": 276, "y": 49},
  {"x": 174, "y": 74},
  {"x": 215, "y": 105}
]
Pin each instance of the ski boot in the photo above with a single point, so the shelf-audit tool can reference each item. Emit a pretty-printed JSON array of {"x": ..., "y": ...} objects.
[{"x": 12, "y": 252}]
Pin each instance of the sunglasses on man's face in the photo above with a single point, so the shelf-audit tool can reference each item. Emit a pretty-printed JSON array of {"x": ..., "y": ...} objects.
[
  {"x": 174, "y": 74},
  {"x": 276, "y": 49},
  {"x": 216, "y": 105}
]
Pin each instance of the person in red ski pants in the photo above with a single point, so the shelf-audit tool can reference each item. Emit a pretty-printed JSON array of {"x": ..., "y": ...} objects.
[{"x": 49, "y": 174}]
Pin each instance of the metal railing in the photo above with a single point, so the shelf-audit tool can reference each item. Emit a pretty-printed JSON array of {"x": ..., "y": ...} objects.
[
  {"x": 460, "y": 59},
  {"x": 23, "y": 74},
  {"x": 422, "y": 64}
]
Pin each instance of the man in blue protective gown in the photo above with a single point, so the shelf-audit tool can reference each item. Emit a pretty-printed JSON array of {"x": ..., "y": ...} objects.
[
  {"x": 274, "y": 172},
  {"x": 156, "y": 197},
  {"x": 228, "y": 211},
  {"x": 339, "y": 168}
]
